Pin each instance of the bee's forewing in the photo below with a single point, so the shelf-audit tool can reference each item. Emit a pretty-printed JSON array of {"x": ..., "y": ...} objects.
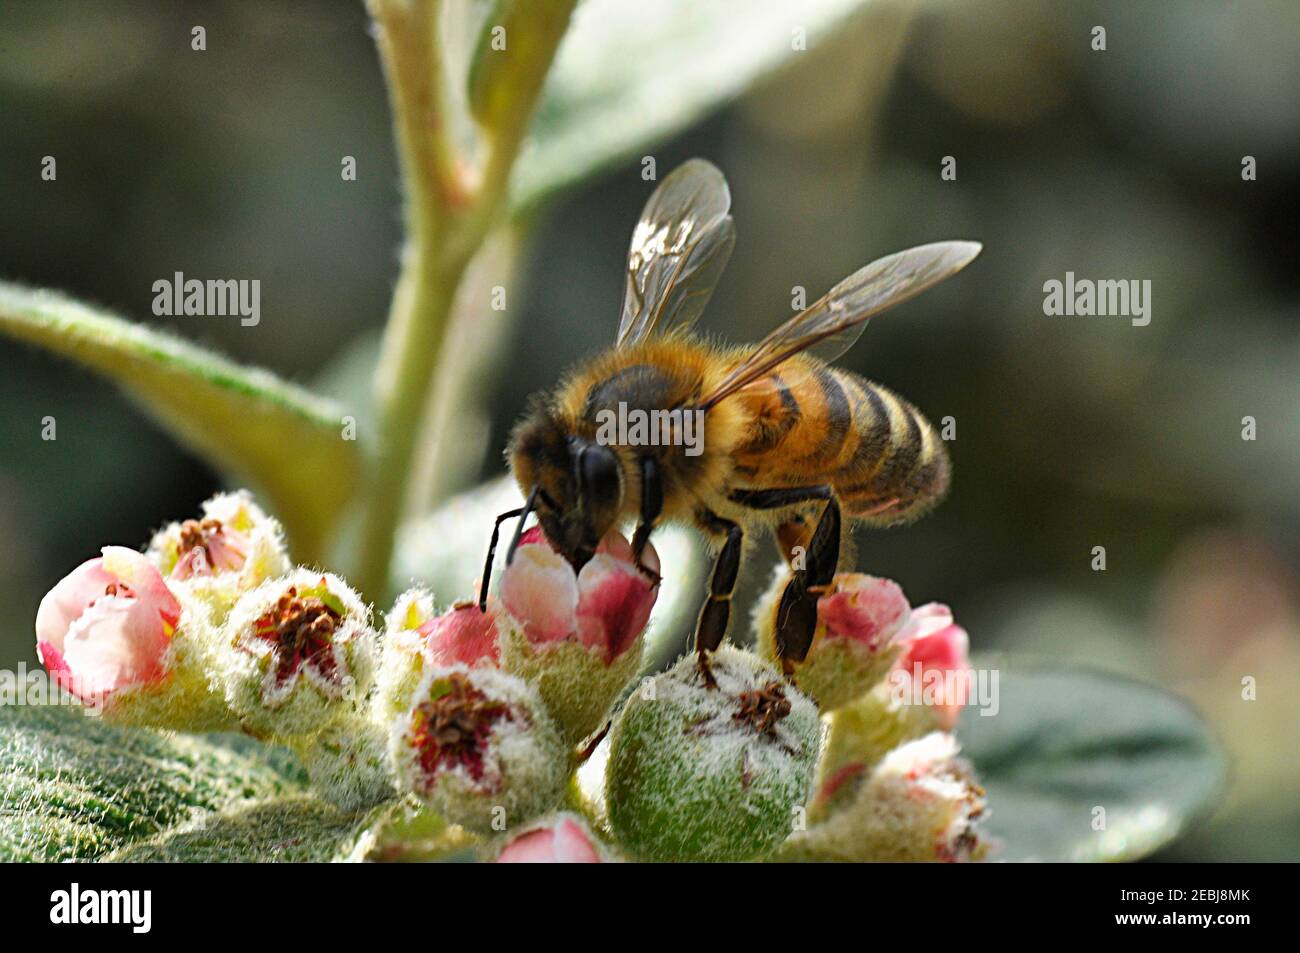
[
  {"x": 836, "y": 320},
  {"x": 679, "y": 248}
]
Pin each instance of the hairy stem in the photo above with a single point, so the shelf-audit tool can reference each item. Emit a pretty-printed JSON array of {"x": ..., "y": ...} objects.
[
  {"x": 446, "y": 222},
  {"x": 407, "y": 34}
]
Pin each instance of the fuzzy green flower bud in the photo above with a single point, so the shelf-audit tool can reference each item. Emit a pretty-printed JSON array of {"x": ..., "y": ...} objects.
[
  {"x": 710, "y": 773},
  {"x": 297, "y": 654},
  {"x": 920, "y": 803},
  {"x": 477, "y": 747}
]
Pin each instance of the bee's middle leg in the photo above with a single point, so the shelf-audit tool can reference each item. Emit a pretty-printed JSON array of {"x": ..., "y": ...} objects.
[{"x": 715, "y": 614}]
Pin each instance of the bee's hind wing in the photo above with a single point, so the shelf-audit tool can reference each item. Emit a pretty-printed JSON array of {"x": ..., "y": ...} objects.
[
  {"x": 836, "y": 320},
  {"x": 679, "y": 248}
]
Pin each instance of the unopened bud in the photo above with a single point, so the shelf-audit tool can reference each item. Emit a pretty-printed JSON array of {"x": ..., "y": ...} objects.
[
  {"x": 577, "y": 637},
  {"x": 854, "y": 644},
  {"x": 557, "y": 839},
  {"x": 711, "y": 772}
]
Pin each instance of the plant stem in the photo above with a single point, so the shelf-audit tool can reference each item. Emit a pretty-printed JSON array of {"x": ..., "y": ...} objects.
[
  {"x": 412, "y": 342},
  {"x": 446, "y": 222},
  {"x": 408, "y": 44}
]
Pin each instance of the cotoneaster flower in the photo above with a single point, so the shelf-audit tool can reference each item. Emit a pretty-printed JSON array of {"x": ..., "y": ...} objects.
[
  {"x": 298, "y": 653},
  {"x": 107, "y": 625},
  {"x": 477, "y": 747},
  {"x": 934, "y": 660},
  {"x": 604, "y": 607},
  {"x": 230, "y": 549},
  {"x": 577, "y": 636},
  {"x": 920, "y": 803},
  {"x": 923, "y": 693}
]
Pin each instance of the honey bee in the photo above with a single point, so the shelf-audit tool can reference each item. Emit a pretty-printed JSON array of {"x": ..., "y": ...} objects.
[{"x": 786, "y": 441}]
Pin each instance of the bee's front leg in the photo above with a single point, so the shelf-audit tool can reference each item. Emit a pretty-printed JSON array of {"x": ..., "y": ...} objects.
[{"x": 652, "y": 504}]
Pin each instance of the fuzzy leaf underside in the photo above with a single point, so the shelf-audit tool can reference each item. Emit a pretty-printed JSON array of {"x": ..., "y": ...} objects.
[
  {"x": 1066, "y": 742},
  {"x": 298, "y": 828},
  {"x": 628, "y": 75},
  {"x": 247, "y": 421},
  {"x": 73, "y": 788}
]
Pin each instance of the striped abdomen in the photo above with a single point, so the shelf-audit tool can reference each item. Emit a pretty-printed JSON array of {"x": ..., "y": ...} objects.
[{"x": 818, "y": 424}]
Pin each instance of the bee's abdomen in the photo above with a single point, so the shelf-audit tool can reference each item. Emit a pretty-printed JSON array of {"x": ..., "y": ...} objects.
[
  {"x": 812, "y": 424},
  {"x": 898, "y": 467}
]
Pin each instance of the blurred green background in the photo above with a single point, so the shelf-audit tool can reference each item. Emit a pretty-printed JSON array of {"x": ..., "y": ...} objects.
[{"x": 1072, "y": 432}]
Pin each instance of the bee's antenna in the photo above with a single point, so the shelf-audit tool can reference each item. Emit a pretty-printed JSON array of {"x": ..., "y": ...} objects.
[
  {"x": 522, "y": 513},
  {"x": 519, "y": 527}
]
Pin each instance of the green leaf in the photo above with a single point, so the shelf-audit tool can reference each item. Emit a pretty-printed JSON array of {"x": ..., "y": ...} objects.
[
  {"x": 1064, "y": 743},
  {"x": 300, "y": 828},
  {"x": 631, "y": 74},
  {"x": 497, "y": 77},
  {"x": 284, "y": 439},
  {"x": 73, "y": 788}
]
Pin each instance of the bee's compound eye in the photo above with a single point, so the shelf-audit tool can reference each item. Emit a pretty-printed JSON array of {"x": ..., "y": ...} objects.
[{"x": 597, "y": 472}]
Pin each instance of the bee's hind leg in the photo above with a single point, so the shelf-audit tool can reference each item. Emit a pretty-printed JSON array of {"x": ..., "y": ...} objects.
[
  {"x": 796, "y": 619},
  {"x": 813, "y": 552},
  {"x": 794, "y": 535}
]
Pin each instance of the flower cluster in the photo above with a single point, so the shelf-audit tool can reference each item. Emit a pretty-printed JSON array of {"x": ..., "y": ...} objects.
[{"x": 481, "y": 715}]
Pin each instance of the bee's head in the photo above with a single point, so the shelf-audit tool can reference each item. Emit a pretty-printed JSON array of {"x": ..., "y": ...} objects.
[{"x": 579, "y": 483}]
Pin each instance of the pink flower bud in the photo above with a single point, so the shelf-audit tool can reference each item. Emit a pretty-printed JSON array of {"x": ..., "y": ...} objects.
[
  {"x": 576, "y": 637},
  {"x": 865, "y": 608},
  {"x": 855, "y": 643},
  {"x": 540, "y": 589},
  {"x": 462, "y": 634},
  {"x": 107, "y": 625},
  {"x": 614, "y": 602},
  {"x": 605, "y": 607},
  {"x": 936, "y": 649},
  {"x": 563, "y": 841}
]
